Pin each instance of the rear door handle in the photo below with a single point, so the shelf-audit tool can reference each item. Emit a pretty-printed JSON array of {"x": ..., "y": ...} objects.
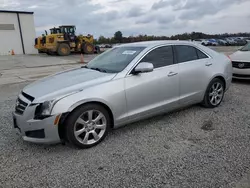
[
  {"x": 208, "y": 64},
  {"x": 172, "y": 74}
]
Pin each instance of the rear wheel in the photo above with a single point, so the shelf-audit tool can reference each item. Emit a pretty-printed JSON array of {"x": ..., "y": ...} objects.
[
  {"x": 214, "y": 94},
  {"x": 88, "y": 48},
  {"x": 88, "y": 125},
  {"x": 63, "y": 49}
]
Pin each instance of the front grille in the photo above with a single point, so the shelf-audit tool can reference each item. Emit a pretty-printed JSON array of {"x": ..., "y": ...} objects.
[
  {"x": 241, "y": 75},
  {"x": 241, "y": 65},
  {"x": 43, "y": 41},
  {"x": 30, "y": 98},
  {"x": 21, "y": 105}
]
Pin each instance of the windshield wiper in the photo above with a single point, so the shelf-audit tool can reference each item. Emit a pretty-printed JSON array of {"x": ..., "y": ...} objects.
[
  {"x": 98, "y": 69},
  {"x": 93, "y": 68}
]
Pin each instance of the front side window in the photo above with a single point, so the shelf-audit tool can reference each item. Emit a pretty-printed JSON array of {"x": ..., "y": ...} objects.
[
  {"x": 246, "y": 47},
  {"x": 115, "y": 60},
  {"x": 185, "y": 53},
  {"x": 160, "y": 57}
]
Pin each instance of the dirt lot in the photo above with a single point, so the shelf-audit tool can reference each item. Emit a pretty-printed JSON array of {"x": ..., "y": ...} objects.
[{"x": 193, "y": 147}]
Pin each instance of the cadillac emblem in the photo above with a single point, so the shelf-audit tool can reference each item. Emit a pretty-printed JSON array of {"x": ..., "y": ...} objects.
[{"x": 241, "y": 65}]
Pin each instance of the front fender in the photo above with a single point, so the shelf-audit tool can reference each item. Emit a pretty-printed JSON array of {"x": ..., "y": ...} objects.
[
  {"x": 105, "y": 93},
  {"x": 84, "y": 101},
  {"x": 68, "y": 104}
]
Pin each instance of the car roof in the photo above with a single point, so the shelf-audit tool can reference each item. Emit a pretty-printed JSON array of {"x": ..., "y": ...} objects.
[
  {"x": 152, "y": 44},
  {"x": 156, "y": 43}
]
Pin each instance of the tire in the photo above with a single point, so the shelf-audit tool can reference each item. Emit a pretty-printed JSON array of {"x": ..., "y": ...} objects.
[
  {"x": 88, "y": 48},
  {"x": 97, "y": 50},
  {"x": 216, "y": 90},
  {"x": 63, "y": 49},
  {"x": 89, "y": 133}
]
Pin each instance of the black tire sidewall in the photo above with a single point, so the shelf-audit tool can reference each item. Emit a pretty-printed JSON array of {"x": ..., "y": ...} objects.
[
  {"x": 206, "y": 102},
  {"x": 85, "y": 48},
  {"x": 74, "y": 116},
  {"x": 61, "y": 46},
  {"x": 97, "y": 49}
]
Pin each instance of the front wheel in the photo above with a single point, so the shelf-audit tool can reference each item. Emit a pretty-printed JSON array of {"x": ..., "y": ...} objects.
[
  {"x": 63, "y": 49},
  {"x": 88, "y": 125},
  {"x": 214, "y": 93},
  {"x": 88, "y": 48}
]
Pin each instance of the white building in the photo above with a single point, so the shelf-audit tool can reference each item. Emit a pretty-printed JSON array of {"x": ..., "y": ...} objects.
[{"x": 17, "y": 32}]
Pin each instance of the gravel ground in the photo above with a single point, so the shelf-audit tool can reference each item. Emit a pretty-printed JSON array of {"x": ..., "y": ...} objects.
[{"x": 193, "y": 147}]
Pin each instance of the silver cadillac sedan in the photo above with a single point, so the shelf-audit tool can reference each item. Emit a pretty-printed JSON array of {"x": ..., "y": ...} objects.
[
  {"x": 241, "y": 63},
  {"x": 125, "y": 84}
]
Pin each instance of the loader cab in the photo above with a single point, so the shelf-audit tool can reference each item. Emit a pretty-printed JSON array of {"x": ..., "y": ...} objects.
[
  {"x": 55, "y": 30},
  {"x": 69, "y": 32},
  {"x": 70, "y": 29}
]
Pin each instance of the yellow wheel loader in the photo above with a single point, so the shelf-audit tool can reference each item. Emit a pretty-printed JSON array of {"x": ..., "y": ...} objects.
[
  {"x": 40, "y": 44},
  {"x": 66, "y": 41},
  {"x": 41, "y": 41}
]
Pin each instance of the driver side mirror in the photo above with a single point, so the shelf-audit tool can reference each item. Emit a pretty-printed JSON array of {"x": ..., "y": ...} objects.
[{"x": 143, "y": 67}]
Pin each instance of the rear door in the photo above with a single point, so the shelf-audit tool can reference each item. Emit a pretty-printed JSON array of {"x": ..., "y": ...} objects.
[{"x": 194, "y": 73}]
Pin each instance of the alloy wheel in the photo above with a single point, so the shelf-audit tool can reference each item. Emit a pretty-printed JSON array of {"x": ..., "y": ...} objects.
[
  {"x": 90, "y": 127},
  {"x": 216, "y": 93}
]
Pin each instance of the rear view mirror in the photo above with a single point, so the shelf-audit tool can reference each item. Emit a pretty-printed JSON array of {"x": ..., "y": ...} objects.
[{"x": 143, "y": 67}]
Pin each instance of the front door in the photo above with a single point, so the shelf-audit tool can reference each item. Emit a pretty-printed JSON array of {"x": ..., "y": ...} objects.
[{"x": 153, "y": 92}]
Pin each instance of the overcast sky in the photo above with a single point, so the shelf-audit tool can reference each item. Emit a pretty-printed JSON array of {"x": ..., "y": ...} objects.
[{"x": 132, "y": 17}]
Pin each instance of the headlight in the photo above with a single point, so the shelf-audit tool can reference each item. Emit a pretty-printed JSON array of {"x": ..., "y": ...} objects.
[
  {"x": 46, "y": 107},
  {"x": 43, "y": 110}
]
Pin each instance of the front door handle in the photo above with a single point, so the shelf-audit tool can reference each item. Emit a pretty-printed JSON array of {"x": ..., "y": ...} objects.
[
  {"x": 172, "y": 74},
  {"x": 208, "y": 64}
]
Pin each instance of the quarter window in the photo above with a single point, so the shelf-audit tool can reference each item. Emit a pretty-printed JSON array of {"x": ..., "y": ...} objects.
[
  {"x": 201, "y": 55},
  {"x": 185, "y": 53},
  {"x": 160, "y": 57}
]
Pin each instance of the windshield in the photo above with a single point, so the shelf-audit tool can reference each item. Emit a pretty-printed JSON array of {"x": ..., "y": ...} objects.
[
  {"x": 115, "y": 60},
  {"x": 246, "y": 48}
]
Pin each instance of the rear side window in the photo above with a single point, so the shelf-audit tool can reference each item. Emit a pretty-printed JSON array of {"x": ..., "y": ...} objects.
[
  {"x": 160, "y": 57},
  {"x": 185, "y": 53},
  {"x": 201, "y": 55}
]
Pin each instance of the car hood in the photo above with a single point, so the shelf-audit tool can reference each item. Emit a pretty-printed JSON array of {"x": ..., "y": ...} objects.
[
  {"x": 64, "y": 83},
  {"x": 243, "y": 56}
]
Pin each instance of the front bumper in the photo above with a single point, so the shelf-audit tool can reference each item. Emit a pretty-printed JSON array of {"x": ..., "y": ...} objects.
[
  {"x": 241, "y": 74},
  {"x": 36, "y": 131}
]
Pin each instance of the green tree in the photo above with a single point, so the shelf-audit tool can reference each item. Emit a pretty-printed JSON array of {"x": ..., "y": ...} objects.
[
  {"x": 118, "y": 36},
  {"x": 102, "y": 40}
]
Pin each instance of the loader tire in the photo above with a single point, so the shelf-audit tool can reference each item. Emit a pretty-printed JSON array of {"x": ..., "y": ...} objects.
[
  {"x": 63, "y": 49},
  {"x": 88, "y": 48}
]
